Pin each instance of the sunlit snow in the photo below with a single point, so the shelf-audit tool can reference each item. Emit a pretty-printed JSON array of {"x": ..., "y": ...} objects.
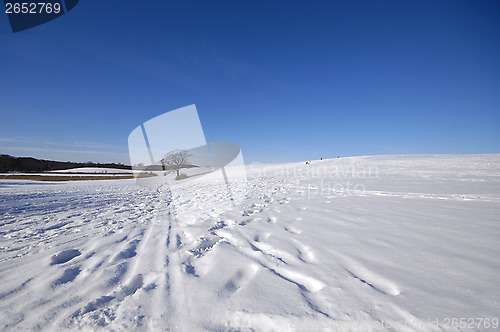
[{"x": 363, "y": 243}]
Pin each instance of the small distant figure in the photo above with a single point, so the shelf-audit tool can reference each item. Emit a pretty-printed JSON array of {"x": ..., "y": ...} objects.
[
  {"x": 321, "y": 158},
  {"x": 308, "y": 162},
  {"x": 338, "y": 156}
]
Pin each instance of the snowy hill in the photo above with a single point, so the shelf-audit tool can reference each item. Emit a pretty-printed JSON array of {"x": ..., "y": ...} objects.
[{"x": 381, "y": 243}]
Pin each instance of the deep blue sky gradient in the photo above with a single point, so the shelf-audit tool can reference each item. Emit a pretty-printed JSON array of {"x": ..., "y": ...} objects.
[{"x": 286, "y": 80}]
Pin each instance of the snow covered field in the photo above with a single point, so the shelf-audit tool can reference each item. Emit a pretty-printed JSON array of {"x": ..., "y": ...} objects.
[
  {"x": 378, "y": 243},
  {"x": 94, "y": 170}
]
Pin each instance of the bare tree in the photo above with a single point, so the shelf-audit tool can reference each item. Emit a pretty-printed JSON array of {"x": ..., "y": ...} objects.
[{"x": 175, "y": 160}]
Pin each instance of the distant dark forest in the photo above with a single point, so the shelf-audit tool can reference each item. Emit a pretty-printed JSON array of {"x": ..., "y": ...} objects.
[{"x": 27, "y": 164}]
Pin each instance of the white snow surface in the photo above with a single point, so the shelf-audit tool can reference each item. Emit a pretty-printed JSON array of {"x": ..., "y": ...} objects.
[
  {"x": 376, "y": 243},
  {"x": 94, "y": 170}
]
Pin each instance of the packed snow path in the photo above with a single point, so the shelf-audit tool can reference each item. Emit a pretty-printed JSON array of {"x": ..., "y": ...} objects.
[{"x": 362, "y": 243}]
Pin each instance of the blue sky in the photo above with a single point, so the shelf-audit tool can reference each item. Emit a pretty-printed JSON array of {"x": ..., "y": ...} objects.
[{"x": 286, "y": 80}]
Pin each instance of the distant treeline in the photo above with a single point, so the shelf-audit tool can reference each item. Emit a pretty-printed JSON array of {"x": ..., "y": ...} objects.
[{"x": 27, "y": 164}]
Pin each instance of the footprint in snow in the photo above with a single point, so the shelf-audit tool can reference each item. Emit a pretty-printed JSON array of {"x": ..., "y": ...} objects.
[
  {"x": 205, "y": 244},
  {"x": 305, "y": 253},
  {"x": 240, "y": 278},
  {"x": 261, "y": 237},
  {"x": 129, "y": 252},
  {"x": 272, "y": 220},
  {"x": 292, "y": 229},
  {"x": 64, "y": 256},
  {"x": 68, "y": 276}
]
